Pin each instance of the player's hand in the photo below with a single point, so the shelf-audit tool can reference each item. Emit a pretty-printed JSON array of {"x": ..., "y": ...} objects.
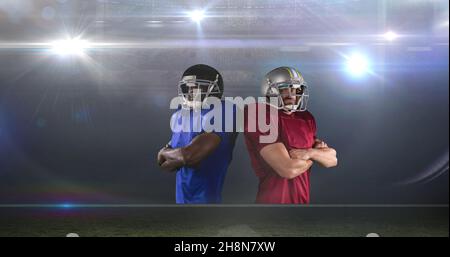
[
  {"x": 161, "y": 159},
  {"x": 170, "y": 159},
  {"x": 168, "y": 166},
  {"x": 318, "y": 144},
  {"x": 303, "y": 154}
]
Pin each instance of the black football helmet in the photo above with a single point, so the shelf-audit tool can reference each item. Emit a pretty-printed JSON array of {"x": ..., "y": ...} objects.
[{"x": 198, "y": 83}]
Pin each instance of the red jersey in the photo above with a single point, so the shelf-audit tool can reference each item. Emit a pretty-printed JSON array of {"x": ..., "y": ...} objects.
[{"x": 295, "y": 131}]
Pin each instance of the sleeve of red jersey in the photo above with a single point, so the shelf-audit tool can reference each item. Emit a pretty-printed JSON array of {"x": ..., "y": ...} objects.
[{"x": 253, "y": 136}]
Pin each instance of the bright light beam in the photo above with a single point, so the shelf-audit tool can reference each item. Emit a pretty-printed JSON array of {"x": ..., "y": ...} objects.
[
  {"x": 390, "y": 36},
  {"x": 197, "y": 15},
  {"x": 70, "y": 47},
  {"x": 357, "y": 65}
]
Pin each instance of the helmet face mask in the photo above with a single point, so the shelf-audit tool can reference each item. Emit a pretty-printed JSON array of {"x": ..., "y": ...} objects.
[
  {"x": 283, "y": 78},
  {"x": 195, "y": 91},
  {"x": 301, "y": 96}
]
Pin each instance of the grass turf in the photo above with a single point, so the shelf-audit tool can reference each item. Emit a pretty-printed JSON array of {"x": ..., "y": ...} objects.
[{"x": 225, "y": 221}]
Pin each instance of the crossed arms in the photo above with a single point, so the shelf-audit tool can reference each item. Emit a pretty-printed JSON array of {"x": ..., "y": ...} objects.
[
  {"x": 287, "y": 164},
  {"x": 171, "y": 159},
  {"x": 295, "y": 162}
]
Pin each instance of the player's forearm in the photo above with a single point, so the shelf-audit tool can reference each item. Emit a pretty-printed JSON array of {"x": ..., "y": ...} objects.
[
  {"x": 200, "y": 148},
  {"x": 285, "y": 165},
  {"x": 324, "y": 156},
  {"x": 295, "y": 167},
  {"x": 192, "y": 155},
  {"x": 184, "y": 156}
]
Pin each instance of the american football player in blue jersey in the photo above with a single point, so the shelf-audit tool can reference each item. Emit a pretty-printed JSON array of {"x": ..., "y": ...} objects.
[{"x": 199, "y": 157}]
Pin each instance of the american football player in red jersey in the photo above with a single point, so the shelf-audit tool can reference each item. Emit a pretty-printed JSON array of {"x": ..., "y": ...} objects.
[{"x": 283, "y": 166}]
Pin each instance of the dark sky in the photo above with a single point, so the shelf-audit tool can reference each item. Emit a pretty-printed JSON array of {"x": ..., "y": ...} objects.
[{"x": 87, "y": 129}]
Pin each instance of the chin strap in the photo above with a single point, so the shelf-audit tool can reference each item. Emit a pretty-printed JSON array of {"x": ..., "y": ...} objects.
[
  {"x": 192, "y": 105},
  {"x": 291, "y": 108}
]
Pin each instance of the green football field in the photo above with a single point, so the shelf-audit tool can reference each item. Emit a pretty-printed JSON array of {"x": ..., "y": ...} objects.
[{"x": 252, "y": 221}]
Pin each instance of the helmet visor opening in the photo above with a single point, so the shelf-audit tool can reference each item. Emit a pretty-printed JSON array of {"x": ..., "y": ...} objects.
[{"x": 197, "y": 90}]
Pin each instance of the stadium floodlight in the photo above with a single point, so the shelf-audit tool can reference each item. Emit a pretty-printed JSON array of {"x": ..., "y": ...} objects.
[
  {"x": 197, "y": 15},
  {"x": 390, "y": 36},
  {"x": 357, "y": 64},
  {"x": 70, "y": 47}
]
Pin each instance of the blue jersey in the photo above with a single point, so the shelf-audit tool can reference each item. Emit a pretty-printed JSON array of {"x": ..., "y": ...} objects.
[{"x": 203, "y": 184}]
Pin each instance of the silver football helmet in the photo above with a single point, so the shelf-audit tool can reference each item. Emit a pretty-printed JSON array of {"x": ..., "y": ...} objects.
[{"x": 286, "y": 78}]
